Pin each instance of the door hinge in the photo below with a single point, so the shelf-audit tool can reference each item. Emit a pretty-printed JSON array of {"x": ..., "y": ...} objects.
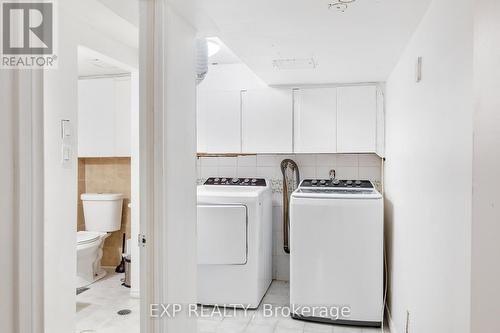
[{"x": 141, "y": 240}]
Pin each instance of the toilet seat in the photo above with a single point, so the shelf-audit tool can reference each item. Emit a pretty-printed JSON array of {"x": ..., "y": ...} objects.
[{"x": 87, "y": 237}]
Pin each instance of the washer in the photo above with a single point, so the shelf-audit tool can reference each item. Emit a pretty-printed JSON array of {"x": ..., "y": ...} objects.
[
  {"x": 234, "y": 241},
  {"x": 336, "y": 259}
]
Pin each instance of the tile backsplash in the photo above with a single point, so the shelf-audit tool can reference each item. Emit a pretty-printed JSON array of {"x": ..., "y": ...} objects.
[{"x": 347, "y": 166}]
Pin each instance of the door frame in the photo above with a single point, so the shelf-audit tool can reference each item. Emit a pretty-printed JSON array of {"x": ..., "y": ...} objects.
[
  {"x": 26, "y": 266},
  {"x": 24, "y": 218}
]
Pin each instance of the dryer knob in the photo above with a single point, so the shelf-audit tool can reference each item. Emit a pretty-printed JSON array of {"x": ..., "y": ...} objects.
[{"x": 235, "y": 180}]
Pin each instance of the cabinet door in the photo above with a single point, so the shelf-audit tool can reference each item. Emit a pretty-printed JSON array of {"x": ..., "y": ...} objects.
[
  {"x": 122, "y": 117},
  {"x": 356, "y": 119},
  {"x": 267, "y": 121},
  {"x": 315, "y": 124},
  {"x": 96, "y": 118},
  {"x": 219, "y": 121}
]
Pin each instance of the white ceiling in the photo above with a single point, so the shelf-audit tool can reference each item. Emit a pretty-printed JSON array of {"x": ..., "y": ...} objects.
[
  {"x": 362, "y": 44},
  {"x": 92, "y": 63}
]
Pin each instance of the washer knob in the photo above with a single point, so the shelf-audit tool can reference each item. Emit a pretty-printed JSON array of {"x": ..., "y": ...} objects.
[
  {"x": 235, "y": 180},
  {"x": 216, "y": 180},
  {"x": 349, "y": 182},
  {"x": 336, "y": 182},
  {"x": 358, "y": 182},
  {"x": 314, "y": 181},
  {"x": 254, "y": 180},
  {"x": 224, "y": 180},
  {"x": 247, "y": 180},
  {"x": 323, "y": 182}
]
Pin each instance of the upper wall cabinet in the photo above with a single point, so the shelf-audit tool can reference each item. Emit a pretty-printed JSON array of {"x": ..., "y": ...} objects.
[
  {"x": 238, "y": 113},
  {"x": 104, "y": 117},
  {"x": 267, "y": 121},
  {"x": 315, "y": 120},
  {"x": 219, "y": 121},
  {"x": 357, "y": 119}
]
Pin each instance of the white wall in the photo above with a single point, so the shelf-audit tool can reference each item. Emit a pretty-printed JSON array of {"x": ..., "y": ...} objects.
[
  {"x": 428, "y": 174},
  {"x": 179, "y": 167},
  {"x": 230, "y": 77},
  {"x": 61, "y": 181},
  {"x": 486, "y": 181},
  {"x": 348, "y": 166}
]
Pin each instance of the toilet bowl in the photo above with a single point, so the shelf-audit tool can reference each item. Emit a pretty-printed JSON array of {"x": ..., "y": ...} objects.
[
  {"x": 89, "y": 253},
  {"x": 102, "y": 214}
]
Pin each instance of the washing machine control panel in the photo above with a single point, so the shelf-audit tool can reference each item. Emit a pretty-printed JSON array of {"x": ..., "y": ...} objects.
[
  {"x": 235, "y": 181},
  {"x": 336, "y": 183}
]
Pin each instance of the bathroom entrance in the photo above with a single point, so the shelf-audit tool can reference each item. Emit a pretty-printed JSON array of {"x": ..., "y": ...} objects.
[
  {"x": 91, "y": 162},
  {"x": 107, "y": 290},
  {"x": 115, "y": 158}
]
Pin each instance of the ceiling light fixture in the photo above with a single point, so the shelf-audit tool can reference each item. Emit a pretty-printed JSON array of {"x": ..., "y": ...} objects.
[
  {"x": 213, "y": 47},
  {"x": 341, "y": 5}
]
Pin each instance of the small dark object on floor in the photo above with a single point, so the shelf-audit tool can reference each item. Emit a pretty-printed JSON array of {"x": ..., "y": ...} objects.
[
  {"x": 124, "y": 312},
  {"x": 121, "y": 267},
  {"x": 81, "y": 290}
]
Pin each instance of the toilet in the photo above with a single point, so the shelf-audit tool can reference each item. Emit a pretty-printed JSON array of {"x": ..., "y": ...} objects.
[{"x": 102, "y": 213}]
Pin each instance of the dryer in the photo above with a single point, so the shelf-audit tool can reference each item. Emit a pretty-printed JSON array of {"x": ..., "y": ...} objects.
[
  {"x": 336, "y": 258},
  {"x": 234, "y": 241}
]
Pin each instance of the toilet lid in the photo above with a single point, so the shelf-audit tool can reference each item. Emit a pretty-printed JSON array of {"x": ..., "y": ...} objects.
[{"x": 84, "y": 237}]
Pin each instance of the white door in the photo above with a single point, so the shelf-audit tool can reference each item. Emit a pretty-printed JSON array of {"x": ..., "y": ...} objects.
[
  {"x": 315, "y": 123},
  {"x": 267, "y": 121},
  {"x": 219, "y": 121},
  {"x": 357, "y": 119},
  {"x": 222, "y": 234}
]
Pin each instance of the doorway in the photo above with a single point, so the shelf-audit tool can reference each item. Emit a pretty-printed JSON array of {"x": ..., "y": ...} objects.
[{"x": 91, "y": 111}]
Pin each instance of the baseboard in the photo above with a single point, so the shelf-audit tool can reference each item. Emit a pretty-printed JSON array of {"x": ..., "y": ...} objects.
[{"x": 392, "y": 326}]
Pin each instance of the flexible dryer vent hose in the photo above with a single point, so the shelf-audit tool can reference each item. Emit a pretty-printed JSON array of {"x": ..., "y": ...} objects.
[{"x": 291, "y": 180}]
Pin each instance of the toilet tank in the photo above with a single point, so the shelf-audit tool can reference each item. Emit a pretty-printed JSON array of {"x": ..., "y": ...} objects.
[{"x": 102, "y": 211}]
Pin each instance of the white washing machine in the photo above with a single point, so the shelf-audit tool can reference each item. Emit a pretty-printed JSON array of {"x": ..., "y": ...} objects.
[
  {"x": 234, "y": 241},
  {"x": 337, "y": 252}
]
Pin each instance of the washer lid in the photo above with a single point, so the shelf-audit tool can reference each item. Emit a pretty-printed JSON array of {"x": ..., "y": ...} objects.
[
  {"x": 85, "y": 237},
  {"x": 101, "y": 196}
]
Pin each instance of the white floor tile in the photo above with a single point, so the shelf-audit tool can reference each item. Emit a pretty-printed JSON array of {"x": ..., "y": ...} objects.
[{"x": 97, "y": 313}]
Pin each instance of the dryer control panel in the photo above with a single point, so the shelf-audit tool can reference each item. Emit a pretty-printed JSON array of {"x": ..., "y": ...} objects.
[{"x": 227, "y": 181}]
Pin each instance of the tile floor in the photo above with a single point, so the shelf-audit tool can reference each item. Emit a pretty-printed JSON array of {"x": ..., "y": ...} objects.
[
  {"x": 97, "y": 313},
  {"x": 96, "y": 308}
]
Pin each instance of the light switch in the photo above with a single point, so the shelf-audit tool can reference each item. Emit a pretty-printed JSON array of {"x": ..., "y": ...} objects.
[
  {"x": 66, "y": 153},
  {"x": 65, "y": 128}
]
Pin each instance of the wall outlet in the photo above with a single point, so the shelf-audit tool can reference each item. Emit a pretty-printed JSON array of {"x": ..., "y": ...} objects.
[{"x": 407, "y": 326}]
